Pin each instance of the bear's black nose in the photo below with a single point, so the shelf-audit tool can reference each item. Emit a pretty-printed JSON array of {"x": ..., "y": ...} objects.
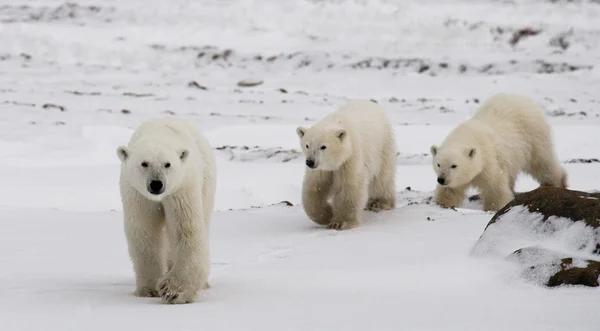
[
  {"x": 156, "y": 187},
  {"x": 310, "y": 163},
  {"x": 441, "y": 180}
]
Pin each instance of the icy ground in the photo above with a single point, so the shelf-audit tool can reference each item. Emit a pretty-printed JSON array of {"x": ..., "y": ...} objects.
[{"x": 76, "y": 78}]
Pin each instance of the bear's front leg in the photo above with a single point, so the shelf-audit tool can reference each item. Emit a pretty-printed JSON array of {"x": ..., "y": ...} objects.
[
  {"x": 348, "y": 203},
  {"x": 316, "y": 189},
  {"x": 188, "y": 233},
  {"x": 496, "y": 195},
  {"x": 144, "y": 230},
  {"x": 449, "y": 197}
]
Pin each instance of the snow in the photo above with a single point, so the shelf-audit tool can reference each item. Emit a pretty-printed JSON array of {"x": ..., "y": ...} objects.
[{"x": 112, "y": 64}]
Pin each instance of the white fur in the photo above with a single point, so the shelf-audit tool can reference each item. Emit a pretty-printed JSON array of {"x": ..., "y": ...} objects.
[
  {"x": 356, "y": 169},
  {"x": 507, "y": 135},
  {"x": 168, "y": 233}
]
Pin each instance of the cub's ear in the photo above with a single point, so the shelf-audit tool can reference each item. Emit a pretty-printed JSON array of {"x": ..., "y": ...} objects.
[
  {"x": 122, "y": 153},
  {"x": 301, "y": 131},
  {"x": 341, "y": 134},
  {"x": 433, "y": 150},
  {"x": 183, "y": 154},
  {"x": 472, "y": 152}
]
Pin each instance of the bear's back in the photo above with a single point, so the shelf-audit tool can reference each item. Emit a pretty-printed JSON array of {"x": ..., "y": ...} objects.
[
  {"x": 361, "y": 116},
  {"x": 509, "y": 108}
]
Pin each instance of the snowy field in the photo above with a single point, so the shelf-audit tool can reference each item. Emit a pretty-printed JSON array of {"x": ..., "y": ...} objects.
[{"x": 77, "y": 77}]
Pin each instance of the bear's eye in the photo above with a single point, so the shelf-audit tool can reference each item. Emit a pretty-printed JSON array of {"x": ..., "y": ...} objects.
[
  {"x": 323, "y": 147},
  {"x": 438, "y": 165},
  {"x": 167, "y": 165},
  {"x": 145, "y": 164},
  {"x": 306, "y": 146},
  {"x": 453, "y": 166}
]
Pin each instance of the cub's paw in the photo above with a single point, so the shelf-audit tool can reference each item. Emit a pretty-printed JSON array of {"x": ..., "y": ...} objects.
[
  {"x": 379, "y": 205},
  {"x": 146, "y": 292},
  {"x": 175, "y": 291},
  {"x": 342, "y": 225},
  {"x": 322, "y": 216}
]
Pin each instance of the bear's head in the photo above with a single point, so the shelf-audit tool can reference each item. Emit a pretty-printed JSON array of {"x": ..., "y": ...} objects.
[
  {"x": 456, "y": 165},
  {"x": 325, "y": 148},
  {"x": 153, "y": 170}
]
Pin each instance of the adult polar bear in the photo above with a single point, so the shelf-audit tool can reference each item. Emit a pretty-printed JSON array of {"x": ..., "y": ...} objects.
[
  {"x": 167, "y": 184},
  {"x": 351, "y": 160},
  {"x": 507, "y": 135}
]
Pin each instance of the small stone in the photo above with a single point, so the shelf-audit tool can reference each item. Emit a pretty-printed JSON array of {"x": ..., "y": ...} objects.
[
  {"x": 196, "y": 85},
  {"x": 249, "y": 83},
  {"x": 51, "y": 105}
]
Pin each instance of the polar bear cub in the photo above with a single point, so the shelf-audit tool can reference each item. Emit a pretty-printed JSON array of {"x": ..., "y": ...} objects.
[
  {"x": 350, "y": 160},
  {"x": 507, "y": 135},
  {"x": 167, "y": 185}
]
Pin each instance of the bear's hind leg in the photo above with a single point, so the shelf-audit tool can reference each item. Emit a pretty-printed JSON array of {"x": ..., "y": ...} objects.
[
  {"x": 382, "y": 189},
  {"x": 546, "y": 169},
  {"x": 316, "y": 190},
  {"x": 511, "y": 183}
]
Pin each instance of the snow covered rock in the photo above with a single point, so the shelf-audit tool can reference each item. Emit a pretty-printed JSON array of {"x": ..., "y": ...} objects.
[
  {"x": 552, "y": 233},
  {"x": 550, "y": 268}
]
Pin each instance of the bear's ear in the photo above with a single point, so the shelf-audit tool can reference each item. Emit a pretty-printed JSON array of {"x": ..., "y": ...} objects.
[
  {"x": 341, "y": 134},
  {"x": 122, "y": 153},
  {"x": 183, "y": 154},
  {"x": 301, "y": 131},
  {"x": 472, "y": 152},
  {"x": 433, "y": 150}
]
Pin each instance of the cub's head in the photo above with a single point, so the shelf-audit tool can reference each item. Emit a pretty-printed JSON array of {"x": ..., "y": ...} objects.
[
  {"x": 324, "y": 148},
  {"x": 456, "y": 165},
  {"x": 154, "y": 171}
]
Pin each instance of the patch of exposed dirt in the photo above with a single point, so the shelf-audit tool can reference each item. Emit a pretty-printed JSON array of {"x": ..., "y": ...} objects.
[
  {"x": 322, "y": 61},
  {"x": 592, "y": 160},
  {"x": 62, "y": 12}
]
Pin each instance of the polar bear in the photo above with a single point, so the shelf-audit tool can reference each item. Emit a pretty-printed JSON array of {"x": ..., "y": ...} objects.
[
  {"x": 507, "y": 135},
  {"x": 351, "y": 160},
  {"x": 167, "y": 185}
]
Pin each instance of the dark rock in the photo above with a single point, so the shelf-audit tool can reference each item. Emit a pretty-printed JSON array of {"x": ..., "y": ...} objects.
[
  {"x": 284, "y": 203},
  {"x": 569, "y": 275},
  {"x": 559, "y": 202},
  {"x": 423, "y": 68}
]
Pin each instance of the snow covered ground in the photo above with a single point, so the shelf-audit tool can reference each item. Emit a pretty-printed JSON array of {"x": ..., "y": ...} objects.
[{"x": 77, "y": 77}]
